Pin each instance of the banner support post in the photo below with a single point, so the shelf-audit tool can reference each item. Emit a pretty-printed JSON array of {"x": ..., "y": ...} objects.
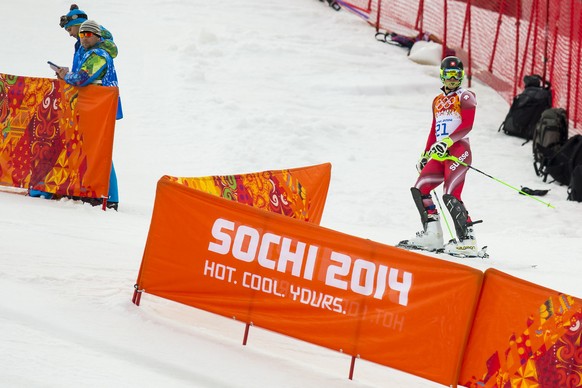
[
  {"x": 136, "y": 295},
  {"x": 246, "y": 336},
  {"x": 352, "y": 367}
]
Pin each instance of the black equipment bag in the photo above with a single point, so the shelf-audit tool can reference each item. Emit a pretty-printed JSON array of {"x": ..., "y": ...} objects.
[
  {"x": 551, "y": 132},
  {"x": 562, "y": 164},
  {"x": 575, "y": 187},
  {"x": 527, "y": 108}
]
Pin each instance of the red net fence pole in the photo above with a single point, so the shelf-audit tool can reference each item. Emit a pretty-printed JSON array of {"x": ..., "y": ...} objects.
[{"x": 500, "y": 41}]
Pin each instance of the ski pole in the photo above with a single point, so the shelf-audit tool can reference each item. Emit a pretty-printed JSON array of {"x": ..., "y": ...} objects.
[
  {"x": 455, "y": 159},
  {"x": 443, "y": 213}
]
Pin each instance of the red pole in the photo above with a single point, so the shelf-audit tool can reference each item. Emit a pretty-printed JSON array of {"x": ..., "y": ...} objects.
[
  {"x": 552, "y": 58},
  {"x": 378, "y": 15},
  {"x": 547, "y": 34},
  {"x": 501, "y": 12},
  {"x": 465, "y": 22},
  {"x": 136, "y": 295},
  {"x": 535, "y": 41},
  {"x": 419, "y": 17},
  {"x": 570, "y": 56},
  {"x": 469, "y": 59},
  {"x": 446, "y": 11},
  {"x": 526, "y": 49},
  {"x": 352, "y": 367},
  {"x": 246, "y": 336},
  {"x": 577, "y": 92},
  {"x": 516, "y": 63}
]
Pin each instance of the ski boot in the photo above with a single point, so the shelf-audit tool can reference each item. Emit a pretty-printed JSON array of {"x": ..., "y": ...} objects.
[
  {"x": 465, "y": 245},
  {"x": 431, "y": 237},
  {"x": 428, "y": 239}
]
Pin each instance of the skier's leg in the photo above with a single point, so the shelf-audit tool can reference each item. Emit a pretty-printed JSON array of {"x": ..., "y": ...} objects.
[
  {"x": 418, "y": 199},
  {"x": 431, "y": 236},
  {"x": 459, "y": 215},
  {"x": 41, "y": 194},
  {"x": 113, "y": 200},
  {"x": 431, "y": 176},
  {"x": 466, "y": 243},
  {"x": 454, "y": 176}
]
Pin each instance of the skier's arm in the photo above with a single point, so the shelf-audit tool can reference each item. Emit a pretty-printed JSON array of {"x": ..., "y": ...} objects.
[
  {"x": 468, "y": 105},
  {"x": 425, "y": 156}
]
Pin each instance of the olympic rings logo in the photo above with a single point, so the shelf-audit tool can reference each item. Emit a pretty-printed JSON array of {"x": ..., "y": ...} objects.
[{"x": 445, "y": 103}]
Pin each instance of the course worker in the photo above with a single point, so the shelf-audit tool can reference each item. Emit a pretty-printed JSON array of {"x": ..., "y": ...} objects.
[{"x": 95, "y": 68}]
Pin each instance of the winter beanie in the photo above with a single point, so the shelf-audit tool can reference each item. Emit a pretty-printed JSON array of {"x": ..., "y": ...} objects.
[
  {"x": 74, "y": 17},
  {"x": 91, "y": 26}
]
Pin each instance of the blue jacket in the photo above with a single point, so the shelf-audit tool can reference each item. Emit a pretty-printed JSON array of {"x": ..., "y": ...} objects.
[{"x": 96, "y": 67}]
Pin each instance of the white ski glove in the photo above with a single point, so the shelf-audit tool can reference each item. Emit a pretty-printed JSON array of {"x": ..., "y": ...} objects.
[{"x": 440, "y": 148}]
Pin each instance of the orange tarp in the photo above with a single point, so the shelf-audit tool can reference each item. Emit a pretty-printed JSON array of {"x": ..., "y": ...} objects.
[
  {"x": 380, "y": 303},
  {"x": 297, "y": 192},
  {"x": 55, "y": 137},
  {"x": 524, "y": 336}
]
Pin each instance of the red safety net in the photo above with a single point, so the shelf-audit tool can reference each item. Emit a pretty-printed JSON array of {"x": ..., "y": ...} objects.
[{"x": 500, "y": 40}]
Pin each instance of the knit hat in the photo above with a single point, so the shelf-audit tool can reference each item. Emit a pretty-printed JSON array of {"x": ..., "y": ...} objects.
[
  {"x": 74, "y": 17},
  {"x": 91, "y": 26}
]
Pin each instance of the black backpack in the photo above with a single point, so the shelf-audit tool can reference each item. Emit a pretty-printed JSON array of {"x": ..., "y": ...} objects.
[
  {"x": 575, "y": 187},
  {"x": 551, "y": 132},
  {"x": 527, "y": 108},
  {"x": 562, "y": 164}
]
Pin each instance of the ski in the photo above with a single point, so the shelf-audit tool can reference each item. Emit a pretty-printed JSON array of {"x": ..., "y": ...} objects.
[{"x": 482, "y": 253}]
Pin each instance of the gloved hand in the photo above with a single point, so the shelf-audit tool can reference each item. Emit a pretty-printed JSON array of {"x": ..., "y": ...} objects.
[
  {"x": 440, "y": 148},
  {"x": 424, "y": 157}
]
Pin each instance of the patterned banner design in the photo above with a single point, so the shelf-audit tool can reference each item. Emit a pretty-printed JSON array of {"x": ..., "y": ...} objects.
[
  {"x": 54, "y": 137},
  {"x": 383, "y": 304},
  {"x": 512, "y": 347},
  {"x": 282, "y": 192}
]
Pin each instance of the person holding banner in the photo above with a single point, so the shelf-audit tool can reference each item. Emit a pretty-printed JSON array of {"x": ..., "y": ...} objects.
[
  {"x": 96, "y": 68},
  {"x": 453, "y": 117},
  {"x": 71, "y": 22}
]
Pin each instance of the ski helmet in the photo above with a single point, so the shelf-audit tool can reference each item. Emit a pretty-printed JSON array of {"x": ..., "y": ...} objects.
[{"x": 452, "y": 67}]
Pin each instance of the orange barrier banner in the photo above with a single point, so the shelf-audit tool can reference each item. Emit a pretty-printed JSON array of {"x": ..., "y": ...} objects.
[
  {"x": 284, "y": 191},
  {"x": 349, "y": 294},
  {"x": 524, "y": 336},
  {"x": 54, "y": 137}
]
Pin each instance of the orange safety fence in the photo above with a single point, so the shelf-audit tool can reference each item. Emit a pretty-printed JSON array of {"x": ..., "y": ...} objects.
[
  {"x": 524, "y": 336},
  {"x": 368, "y": 300},
  {"x": 215, "y": 245},
  {"x": 54, "y": 137},
  {"x": 297, "y": 193}
]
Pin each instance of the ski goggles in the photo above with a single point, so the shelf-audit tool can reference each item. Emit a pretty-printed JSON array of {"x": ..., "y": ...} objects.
[
  {"x": 87, "y": 34},
  {"x": 447, "y": 74}
]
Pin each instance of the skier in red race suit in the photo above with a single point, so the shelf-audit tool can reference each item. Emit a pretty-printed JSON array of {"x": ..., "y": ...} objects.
[{"x": 453, "y": 117}]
